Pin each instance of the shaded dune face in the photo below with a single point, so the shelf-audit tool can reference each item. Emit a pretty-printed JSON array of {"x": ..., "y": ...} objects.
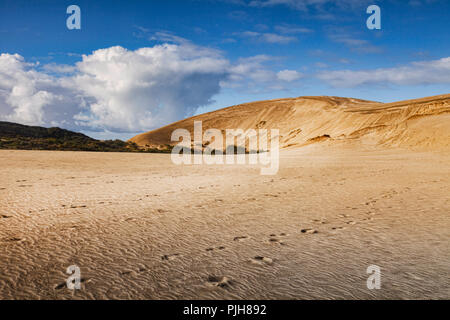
[{"x": 414, "y": 124}]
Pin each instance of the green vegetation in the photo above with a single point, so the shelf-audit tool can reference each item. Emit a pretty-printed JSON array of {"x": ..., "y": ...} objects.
[{"x": 21, "y": 137}]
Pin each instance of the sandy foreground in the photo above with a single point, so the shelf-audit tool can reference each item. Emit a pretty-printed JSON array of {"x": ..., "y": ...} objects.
[{"x": 140, "y": 227}]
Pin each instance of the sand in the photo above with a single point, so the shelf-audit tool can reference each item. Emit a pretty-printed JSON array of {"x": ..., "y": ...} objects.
[{"x": 140, "y": 227}]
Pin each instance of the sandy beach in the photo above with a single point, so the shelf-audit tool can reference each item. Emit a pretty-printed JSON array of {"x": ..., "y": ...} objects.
[{"x": 140, "y": 227}]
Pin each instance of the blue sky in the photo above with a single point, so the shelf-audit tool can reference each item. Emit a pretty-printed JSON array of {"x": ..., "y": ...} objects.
[{"x": 137, "y": 65}]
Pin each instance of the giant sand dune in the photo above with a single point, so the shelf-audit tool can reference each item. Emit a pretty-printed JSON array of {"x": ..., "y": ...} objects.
[{"x": 414, "y": 124}]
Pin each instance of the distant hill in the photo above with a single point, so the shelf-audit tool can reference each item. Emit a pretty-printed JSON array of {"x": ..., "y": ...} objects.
[
  {"x": 413, "y": 124},
  {"x": 22, "y": 137}
]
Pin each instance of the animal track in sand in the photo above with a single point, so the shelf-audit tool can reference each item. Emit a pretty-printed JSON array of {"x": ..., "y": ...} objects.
[
  {"x": 220, "y": 281},
  {"x": 3, "y": 216},
  {"x": 240, "y": 238},
  {"x": 337, "y": 228}
]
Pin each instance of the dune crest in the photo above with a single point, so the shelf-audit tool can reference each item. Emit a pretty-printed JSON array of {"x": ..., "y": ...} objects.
[{"x": 414, "y": 124}]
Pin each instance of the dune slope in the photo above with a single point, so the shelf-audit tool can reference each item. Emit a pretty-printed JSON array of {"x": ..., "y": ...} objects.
[{"x": 415, "y": 124}]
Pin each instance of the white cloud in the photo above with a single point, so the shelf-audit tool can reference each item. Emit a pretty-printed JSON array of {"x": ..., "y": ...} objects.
[
  {"x": 417, "y": 73},
  {"x": 120, "y": 90},
  {"x": 141, "y": 89},
  {"x": 27, "y": 95},
  {"x": 267, "y": 37},
  {"x": 58, "y": 68},
  {"x": 289, "y": 75},
  {"x": 112, "y": 89}
]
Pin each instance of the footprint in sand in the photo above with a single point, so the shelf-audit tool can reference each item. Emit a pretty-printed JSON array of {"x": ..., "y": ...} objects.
[
  {"x": 281, "y": 235},
  {"x": 271, "y": 195},
  {"x": 5, "y": 216},
  {"x": 261, "y": 260},
  {"x": 309, "y": 231},
  {"x": 76, "y": 207},
  {"x": 220, "y": 281},
  {"x": 13, "y": 239},
  {"x": 170, "y": 257},
  {"x": 319, "y": 221},
  {"x": 337, "y": 228},
  {"x": 351, "y": 222},
  {"x": 215, "y": 248},
  {"x": 240, "y": 238},
  {"x": 275, "y": 240}
]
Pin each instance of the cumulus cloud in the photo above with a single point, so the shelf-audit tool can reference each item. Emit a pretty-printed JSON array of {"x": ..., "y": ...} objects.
[
  {"x": 120, "y": 90},
  {"x": 112, "y": 89},
  {"x": 141, "y": 89},
  {"x": 417, "y": 73},
  {"x": 32, "y": 97}
]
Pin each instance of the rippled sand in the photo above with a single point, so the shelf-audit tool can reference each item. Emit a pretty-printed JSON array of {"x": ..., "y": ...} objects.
[{"x": 140, "y": 227}]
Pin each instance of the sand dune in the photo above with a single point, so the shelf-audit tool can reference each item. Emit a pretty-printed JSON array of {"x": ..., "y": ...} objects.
[{"x": 413, "y": 124}]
